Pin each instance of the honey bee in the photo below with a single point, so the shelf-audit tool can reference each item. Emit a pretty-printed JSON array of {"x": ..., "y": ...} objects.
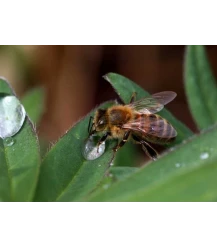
[{"x": 137, "y": 121}]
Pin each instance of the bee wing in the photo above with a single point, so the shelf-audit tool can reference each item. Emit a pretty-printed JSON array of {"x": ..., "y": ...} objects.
[
  {"x": 154, "y": 103},
  {"x": 153, "y": 125}
]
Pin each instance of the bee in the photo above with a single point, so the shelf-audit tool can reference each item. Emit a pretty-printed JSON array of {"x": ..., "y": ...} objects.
[{"x": 137, "y": 120}]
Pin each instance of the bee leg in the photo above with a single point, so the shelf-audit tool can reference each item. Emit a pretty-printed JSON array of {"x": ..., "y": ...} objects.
[
  {"x": 103, "y": 138},
  {"x": 123, "y": 141},
  {"x": 147, "y": 148},
  {"x": 133, "y": 97},
  {"x": 90, "y": 126}
]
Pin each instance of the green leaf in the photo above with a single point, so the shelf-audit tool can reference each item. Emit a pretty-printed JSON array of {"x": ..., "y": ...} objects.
[
  {"x": 19, "y": 163},
  {"x": 65, "y": 175},
  {"x": 5, "y": 88},
  {"x": 120, "y": 173},
  {"x": 125, "y": 87},
  {"x": 127, "y": 156},
  {"x": 33, "y": 103},
  {"x": 200, "y": 86},
  {"x": 186, "y": 174},
  {"x": 115, "y": 174},
  {"x": 197, "y": 185}
]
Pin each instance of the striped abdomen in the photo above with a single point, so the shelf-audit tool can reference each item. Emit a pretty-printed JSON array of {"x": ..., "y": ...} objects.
[{"x": 152, "y": 127}]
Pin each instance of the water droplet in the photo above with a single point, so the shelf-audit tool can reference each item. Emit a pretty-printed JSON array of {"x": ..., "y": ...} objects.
[
  {"x": 90, "y": 150},
  {"x": 106, "y": 186},
  {"x": 112, "y": 163},
  {"x": 172, "y": 149},
  {"x": 184, "y": 141},
  {"x": 9, "y": 141},
  {"x": 99, "y": 165},
  {"x": 178, "y": 165},
  {"x": 204, "y": 155},
  {"x": 12, "y": 116}
]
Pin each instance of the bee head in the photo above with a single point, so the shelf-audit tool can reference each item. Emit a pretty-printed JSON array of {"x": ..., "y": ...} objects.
[{"x": 100, "y": 120}]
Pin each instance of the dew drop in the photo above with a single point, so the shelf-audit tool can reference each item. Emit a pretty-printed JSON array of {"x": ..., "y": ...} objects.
[
  {"x": 12, "y": 116},
  {"x": 178, "y": 165},
  {"x": 106, "y": 186},
  {"x": 99, "y": 165},
  {"x": 172, "y": 149},
  {"x": 204, "y": 155},
  {"x": 112, "y": 163},
  {"x": 184, "y": 141},
  {"x": 90, "y": 149},
  {"x": 9, "y": 141}
]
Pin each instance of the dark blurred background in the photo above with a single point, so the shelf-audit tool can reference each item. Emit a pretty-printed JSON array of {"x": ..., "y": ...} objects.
[{"x": 72, "y": 77}]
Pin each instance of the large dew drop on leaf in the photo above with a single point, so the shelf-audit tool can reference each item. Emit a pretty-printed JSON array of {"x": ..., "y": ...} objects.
[
  {"x": 91, "y": 151},
  {"x": 12, "y": 116}
]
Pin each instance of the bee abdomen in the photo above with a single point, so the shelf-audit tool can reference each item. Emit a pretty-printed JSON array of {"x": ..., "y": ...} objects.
[
  {"x": 146, "y": 122},
  {"x": 156, "y": 128}
]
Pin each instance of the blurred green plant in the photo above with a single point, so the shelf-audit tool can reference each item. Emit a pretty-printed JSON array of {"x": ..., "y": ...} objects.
[
  {"x": 21, "y": 62},
  {"x": 33, "y": 102},
  {"x": 201, "y": 87},
  {"x": 185, "y": 172}
]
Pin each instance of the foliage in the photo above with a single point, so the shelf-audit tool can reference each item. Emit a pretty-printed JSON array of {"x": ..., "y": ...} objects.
[{"x": 185, "y": 172}]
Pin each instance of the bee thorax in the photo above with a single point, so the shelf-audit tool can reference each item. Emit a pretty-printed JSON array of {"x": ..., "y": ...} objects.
[
  {"x": 119, "y": 116},
  {"x": 117, "y": 132}
]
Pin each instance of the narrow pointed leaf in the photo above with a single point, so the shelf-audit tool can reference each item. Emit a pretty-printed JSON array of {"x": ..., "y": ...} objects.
[
  {"x": 187, "y": 173},
  {"x": 200, "y": 86},
  {"x": 19, "y": 162},
  {"x": 125, "y": 87},
  {"x": 65, "y": 174},
  {"x": 197, "y": 185},
  {"x": 115, "y": 174}
]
